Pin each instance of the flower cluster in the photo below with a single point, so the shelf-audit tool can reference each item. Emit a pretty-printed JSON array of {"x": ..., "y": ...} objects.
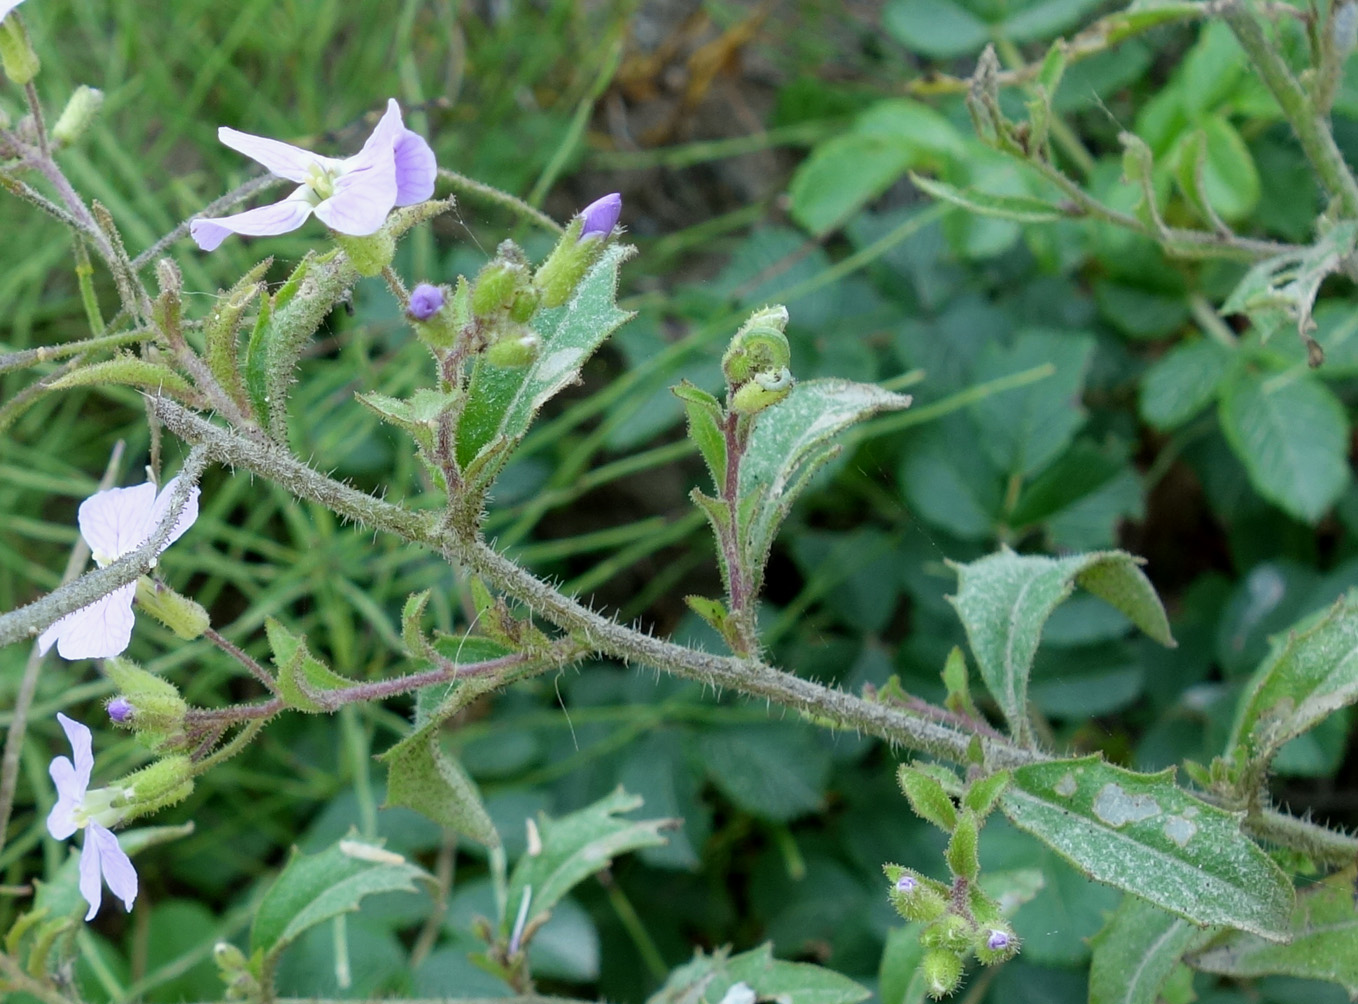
[
  {"x": 352, "y": 196},
  {"x": 114, "y": 523}
]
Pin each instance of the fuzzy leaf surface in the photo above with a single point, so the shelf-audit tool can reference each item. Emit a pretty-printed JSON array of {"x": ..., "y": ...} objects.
[
  {"x": 1136, "y": 951},
  {"x": 709, "y": 978}
]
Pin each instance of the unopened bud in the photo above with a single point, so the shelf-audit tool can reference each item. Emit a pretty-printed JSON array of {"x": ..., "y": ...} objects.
[
  {"x": 951, "y": 931},
  {"x": 601, "y": 216},
  {"x": 16, "y": 51},
  {"x": 996, "y": 944},
  {"x": 425, "y": 301},
  {"x": 496, "y": 286},
  {"x": 763, "y": 391},
  {"x": 758, "y": 346},
  {"x": 78, "y": 115},
  {"x": 163, "y": 783},
  {"x": 186, "y": 618},
  {"x": 120, "y": 711},
  {"x": 371, "y": 254},
  {"x": 914, "y": 896},
  {"x": 147, "y": 704},
  {"x": 559, "y": 276},
  {"x": 514, "y": 350},
  {"x": 942, "y": 971}
]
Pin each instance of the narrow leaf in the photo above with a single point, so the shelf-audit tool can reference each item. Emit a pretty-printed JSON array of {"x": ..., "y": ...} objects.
[
  {"x": 129, "y": 372},
  {"x": 1005, "y": 599},
  {"x": 316, "y": 887},
  {"x": 1143, "y": 834},
  {"x": 704, "y": 428},
  {"x": 1322, "y": 945},
  {"x": 300, "y": 674}
]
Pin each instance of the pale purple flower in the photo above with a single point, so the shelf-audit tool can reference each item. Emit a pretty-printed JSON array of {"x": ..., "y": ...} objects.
[
  {"x": 396, "y": 167},
  {"x": 6, "y": 6},
  {"x": 120, "y": 710},
  {"x": 113, "y": 523},
  {"x": 601, "y": 216},
  {"x": 998, "y": 940},
  {"x": 101, "y": 859},
  {"x": 905, "y": 884},
  {"x": 425, "y": 301}
]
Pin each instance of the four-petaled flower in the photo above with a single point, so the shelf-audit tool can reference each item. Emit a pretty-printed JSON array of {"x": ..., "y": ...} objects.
[
  {"x": 113, "y": 523},
  {"x": 396, "y": 167},
  {"x": 101, "y": 859}
]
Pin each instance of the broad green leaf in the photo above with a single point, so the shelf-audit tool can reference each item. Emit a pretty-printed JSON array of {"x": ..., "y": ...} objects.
[
  {"x": 1143, "y": 834},
  {"x": 1080, "y": 471},
  {"x": 1292, "y": 435},
  {"x": 1139, "y": 311},
  {"x": 1309, "y": 675},
  {"x": 957, "y": 490},
  {"x": 1184, "y": 381},
  {"x": 788, "y": 445},
  {"x": 316, "y": 887},
  {"x": 1024, "y": 429},
  {"x": 1136, "y": 951},
  {"x": 570, "y": 849},
  {"x": 773, "y": 770},
  {"x": 1045, "y": 19},
  {"x": 1230, "y": 181},
  {"x": 300, "y": 674},
  {"x": 502, "y": 401},
  {"x": 708, "y": 979},
  {"x": 1004, "y": 600},
  {"x": 1016, "y": 208},
  {"x": 418, "y": 415},
  {"x": 1322, "y": 941},
  {"x": 1211, "y": 70},
  {"x": 937, "y": 28}
]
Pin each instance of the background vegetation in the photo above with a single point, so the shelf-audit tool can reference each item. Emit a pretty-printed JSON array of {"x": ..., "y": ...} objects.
[{"x": 1075, "y": 390}]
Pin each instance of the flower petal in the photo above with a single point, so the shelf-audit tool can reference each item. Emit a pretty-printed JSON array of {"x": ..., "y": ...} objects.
[
  {"x": 99, "y": 631},
  {"x": 186, "y": 515},
  {"x": 383, "y": 138},
  {"x": 278, "y": 218},
  {"x": 116, "y": 521},
  {"x": 114, "y": 863},
  {"x": 91, "y": 887},
  {"x": 416, "y": 168},
  {"x": 70, "y": 793},
  {"x": 363, "y": 196},
  {"x": 6, "y": 6},
  {"x": 82, "y": 745},
  {"x": 282, "y": 159}
]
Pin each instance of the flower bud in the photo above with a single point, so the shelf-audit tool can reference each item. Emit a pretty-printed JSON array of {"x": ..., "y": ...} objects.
[
  {"x": 147, "y": 704},
  {"x": 21, "y": 63},
  {"x": 759, "y": 345},
  {"x": 120, "y": 711},
  {"x": 496, "y": 286},
  {"x": 951, "y": 931},
  {"x": 558, "y": 277},
  {"x": 514, "y": 350},
  {"x": 764, "y": 390},
  {"x": 165, "y": 782},
  {"x": 914, "y": 896},
  {"x": 371, "y": 254},
  {"x": 996, "y": 944},
  {"x": 425, "y": 301},
  {"x": 78, "y": 115},
  {"x": 942, "y": 972},
  {"x": 601, "y": 216},
  {"x": 186, "y": 618}
]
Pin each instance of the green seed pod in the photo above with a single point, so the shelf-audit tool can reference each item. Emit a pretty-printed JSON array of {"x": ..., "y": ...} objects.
[
  {"x": 496, "y": 286},
  {"x": 515, "y": 350},
  {"x": 165, "y": 782},
  {"x": 942, "y": 973},
  {"x": 186, "y": 618}
]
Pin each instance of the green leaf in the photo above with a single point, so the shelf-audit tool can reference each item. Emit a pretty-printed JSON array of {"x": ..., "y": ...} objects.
[
  {"x": 571, "y": 849},
  {"x": 502, "y": 401},
  {"x": 937, "y": 28},
  {"x": 1310, "y": 674},
  {"x": 1184, "y": 381},
  {"x": 1004, "y": 600},
  {"x": 1136, "y": 951},
  {"x": 418, "y": 415},
  {"x": 776, "y": 770},
  {"x": 1292, "y": 435},
  {"x": 704, "y": 428},
  {"x": 1230, "y": 181},
  {"x": 1322, "y": 941},
  {"x": 300, "y": 674},
  {"x": 1024, "y": 429},
  {"x": 1079, "y": 472},
  {"x": 1143, "y": 834},
  {"x": 956, "y": 490},
  {"x": 1016, "y": 208},
  {"x": 316, "y": 887},
  {"x": 1046, "y": 19},
  {"x": 128, "y": 371},
  {"x": 709, "y": 978},
  {"x": 788, "y": 445},
  {"x": 927, "y": 797}
]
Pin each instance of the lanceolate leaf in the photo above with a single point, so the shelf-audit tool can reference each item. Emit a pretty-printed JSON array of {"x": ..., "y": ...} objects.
[
  {"x": 789, "y": 444},
  {"x": 502, "y": 400},
  {"x": 1005, "y": 599},
  {"x": 1307, "y": 677},
  {"x": 574, "y": 847},
  {"x": 1136, "y": 951},
  {"x": 315, "y": 887},
  {"x": 1145, "y": 835},
  {"x": 1323, "y": 941}
]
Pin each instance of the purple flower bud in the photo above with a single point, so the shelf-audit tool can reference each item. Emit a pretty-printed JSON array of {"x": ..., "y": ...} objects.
[
  {"x": 601, "y": 216},
  {"x": 998, "y": 940},
  {"x": 120, "y": 710},
  {"x": 906, "y": 884},
  {"x": 425, "y": 301}
]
